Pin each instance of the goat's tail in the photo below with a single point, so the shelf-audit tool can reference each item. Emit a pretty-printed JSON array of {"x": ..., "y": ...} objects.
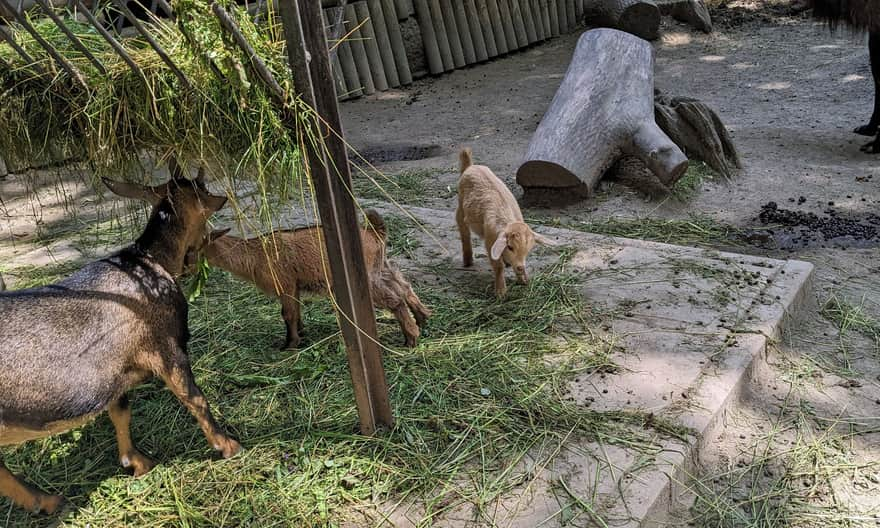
[
  {"x": 376, "y": 223},
  {"x": 464, "y": 157}
]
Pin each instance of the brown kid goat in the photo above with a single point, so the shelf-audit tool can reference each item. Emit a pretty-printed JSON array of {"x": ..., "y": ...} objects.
[
  {"x": 487, "y": 208},
  {"x": 288, "y": 263},
  {"x": 71, "y": 350}
]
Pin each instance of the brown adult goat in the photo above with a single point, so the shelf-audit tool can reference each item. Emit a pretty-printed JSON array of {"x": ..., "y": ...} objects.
[
  {"x": 72, "y": 349},
  {"x": 286, "y": 263}
]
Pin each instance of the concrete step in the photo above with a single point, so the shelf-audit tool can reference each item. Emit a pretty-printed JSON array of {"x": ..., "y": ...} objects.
[{"x": 691, "y": 324}]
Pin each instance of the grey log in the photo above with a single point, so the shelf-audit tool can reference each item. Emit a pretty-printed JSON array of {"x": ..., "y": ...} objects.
[
  {"x": 497, "y": 27},
  {"x": 564, "y": 26},
  {"x": 464, "y": 32},
  {"x": 335, "y": 64},
  {"x": 383, "y": 41},
  {"x": 429, "y": 37},
  {"x": 356, "y": 41},
  {"x": 554, "y": 19},
  {"x": 442, "y": 35},
  {"x": 639, "y": 17},
  {"x": 349, "y": 70},
  {"x": 539, "y": 23},
  {"x": 368, "y": 33},
  {"x": 526, "y": 12},
  {"x": 473, "y": 16},
  {"x": 573, "y": 21},
  {"x": 545, "y": 17},
  {"x": 691, "y": 12},
  {"x": 452, "y": 33},
  {"x": 519, "y": 26},
  {"x": 486, "y": 25},
  {"x": 603, "y": 109},
  {"x": 393, "y": 25},
  {"x": 507, "y": 22},
  {"x": 698, "y": 130}
]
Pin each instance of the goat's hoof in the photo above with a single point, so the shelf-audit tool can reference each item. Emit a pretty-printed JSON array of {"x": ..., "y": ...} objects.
[
  {"x": 289, "y": 345},
  {"x": 871, "y": 147},
  {"x": 230, "y": 448},
  {"x": 866, "y": 130},
  {"x": 139, "y": 464},
  {"x": 410, "y": 342},
  {"x": 48, "y": 504}
]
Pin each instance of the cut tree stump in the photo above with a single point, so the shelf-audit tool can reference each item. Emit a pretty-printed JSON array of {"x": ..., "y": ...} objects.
[
  {"x": 639, "y": 17},
  {"x": 604, "y": 109},
  {"x": 698, "y": 130}
]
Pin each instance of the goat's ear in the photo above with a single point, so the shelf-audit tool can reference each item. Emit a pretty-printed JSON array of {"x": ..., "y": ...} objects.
[
  {"x": 153, "y": 195},
  {"x": 541, "y": 239},
  {"x": 175, "y": 169},
  {"x": 498, "y": 247},
  {"x": 218, "y": 233},
  {"x": 200, "y": 177},
  {"x": 213, "y": 203}
]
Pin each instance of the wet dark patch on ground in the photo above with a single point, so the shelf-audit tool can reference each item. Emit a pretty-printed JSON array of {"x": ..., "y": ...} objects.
[
  {"x": 396, "y": 152},
  {"x": 790, "y": 229}
]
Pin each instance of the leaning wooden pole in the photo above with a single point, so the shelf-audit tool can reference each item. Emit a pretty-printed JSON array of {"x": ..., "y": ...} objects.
[{"x": 329, "y": 171}]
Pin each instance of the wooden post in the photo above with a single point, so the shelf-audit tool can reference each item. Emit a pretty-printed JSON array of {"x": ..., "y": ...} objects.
[{"x": 329, "y": 171}]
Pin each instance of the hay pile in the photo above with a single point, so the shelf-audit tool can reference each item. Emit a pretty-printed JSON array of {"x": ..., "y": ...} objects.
[{"x": 120, "y": 118}]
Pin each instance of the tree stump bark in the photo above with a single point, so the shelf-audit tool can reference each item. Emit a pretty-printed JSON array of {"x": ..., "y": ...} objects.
[
  {"x": 603, "y": 109},
  {"x": 638, "y": 17},
  {"x": 691, "y": 12},
  {"x": 698, "y": 130}
]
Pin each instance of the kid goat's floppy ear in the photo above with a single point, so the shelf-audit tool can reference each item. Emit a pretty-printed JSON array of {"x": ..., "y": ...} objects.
[
  {"x": 153, "y": 195},
  {"x": 499, "y": 246}
]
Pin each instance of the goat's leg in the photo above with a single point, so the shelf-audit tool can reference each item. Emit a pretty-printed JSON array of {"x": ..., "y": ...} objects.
[
  {"x": 419, "y": 310},
  {"x": 498, "y": 269},
  {"x": 290, "y": 311},
  {"x": 26, "y": 497},
  {"x": 873, "y": 125},
  {"x": 179, "y": 379},
  {"x": 467, "y": 252},
  {"x": 129, "y": 456}
]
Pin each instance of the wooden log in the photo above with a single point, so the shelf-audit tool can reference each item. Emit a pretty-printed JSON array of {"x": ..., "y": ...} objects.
[
  {"x": 400, "y": 59},
  {"x": 383, "y": 42},
  {"x": 464, "y": 32},
  {"x": 603, "y": 109},
  {"x": 507, "y": 24},
  {"x": 429, "y": 38},
  {"x": 580, "y": 7},
  {"x": 539, "y": 23},
  {"x": 336, "y": 65},
  {"x": 639, "y": 17},
  {"x": 691, "y": 12},
  {"x": 473, "y": 15},
  {"x": 697, "y": 130},
  {"x": 486, "y": 28},
  {"x": 358, "y": 51},
  {"x": 377, "y": 69},
  {"x": 554, "y": 19},
  {"x": 349, "y": 70},
  {"x": 452, "y": 33},
  {"x": 519, "y": 27},
  {"x": 545, "y": 18},
  {"x": 497, "y": 27},
  {"x": 564, "y": 26},
  {"x": 442, "y": 35},
  {"x": 525, "y": 7},
  {"x": 403, "y": 8},
  {"x": 573, "y": 21}
]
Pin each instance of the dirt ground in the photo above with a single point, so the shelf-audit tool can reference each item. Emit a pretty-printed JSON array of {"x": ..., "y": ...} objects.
[{"x": 790, "y": 93}]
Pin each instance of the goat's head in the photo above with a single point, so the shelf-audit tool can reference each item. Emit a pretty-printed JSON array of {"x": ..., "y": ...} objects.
[
  {"x": 185, "y": 201},
  {"x": 513, "y": 246}
]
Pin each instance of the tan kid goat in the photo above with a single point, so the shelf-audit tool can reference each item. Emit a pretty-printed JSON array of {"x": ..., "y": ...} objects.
[
  {"x": 287, "y": 263},
  {"x": 71, "y": 350},
  {"x": 487, "y": 208}
]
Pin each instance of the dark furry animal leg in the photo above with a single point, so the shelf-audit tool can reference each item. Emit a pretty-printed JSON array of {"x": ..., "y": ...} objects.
[{"x": 873, "y": 126}]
